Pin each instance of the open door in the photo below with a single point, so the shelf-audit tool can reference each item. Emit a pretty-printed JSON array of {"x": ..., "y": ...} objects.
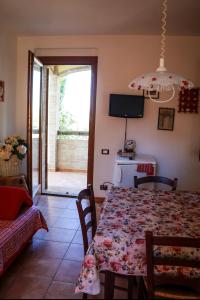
[
  {"x": 70, "y": 124},
  {"x": 36, "y": 123}
]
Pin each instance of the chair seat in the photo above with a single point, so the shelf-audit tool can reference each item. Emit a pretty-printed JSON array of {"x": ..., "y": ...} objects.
[
  {"x": 175, "y": 292},
  {"x": 173, "y": 271},
  {"x": 166, "y": 291}
]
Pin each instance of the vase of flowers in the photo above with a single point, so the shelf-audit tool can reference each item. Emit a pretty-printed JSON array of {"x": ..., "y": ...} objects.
[{"x": 12, "y": 151}]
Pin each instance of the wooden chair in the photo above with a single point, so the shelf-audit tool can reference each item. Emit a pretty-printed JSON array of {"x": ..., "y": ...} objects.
[
  {"x": 166, "y": 285},
  {"x": 84, "y": 209},
  {"x": 87, "y": 215},
  {"x": 156, "y": 179}
]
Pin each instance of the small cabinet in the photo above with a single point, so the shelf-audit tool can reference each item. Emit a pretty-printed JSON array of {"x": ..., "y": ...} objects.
[{"x": 125, "y": 169}]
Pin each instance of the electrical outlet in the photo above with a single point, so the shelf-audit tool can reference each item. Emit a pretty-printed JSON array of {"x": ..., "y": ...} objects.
[
  {"x": 105, "y": 151},
  {"x": 103, "y": 187}
]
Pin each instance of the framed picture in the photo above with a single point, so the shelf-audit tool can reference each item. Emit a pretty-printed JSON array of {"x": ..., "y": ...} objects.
[
  {"x": 1, "y": 91},
  {"x": 166, "y": 118},
  {"x": 154, "y": 94}
]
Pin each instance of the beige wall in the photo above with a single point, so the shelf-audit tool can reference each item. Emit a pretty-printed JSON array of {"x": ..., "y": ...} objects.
[
  {"x": 121, "y": 58},
  {"x": 8, "y": 50}
]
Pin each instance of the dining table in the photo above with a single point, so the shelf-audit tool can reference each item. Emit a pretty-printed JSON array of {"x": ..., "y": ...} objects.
[{"x": 127, "y": 213}]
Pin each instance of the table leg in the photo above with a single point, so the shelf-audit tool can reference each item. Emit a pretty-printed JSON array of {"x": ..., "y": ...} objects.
[
  {"x": 131, "y": 284},
  {"x": 109, "y": 285}
]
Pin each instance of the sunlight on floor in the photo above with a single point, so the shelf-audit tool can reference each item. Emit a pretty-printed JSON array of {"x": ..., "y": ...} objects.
[{"x": 67, "y": 182}]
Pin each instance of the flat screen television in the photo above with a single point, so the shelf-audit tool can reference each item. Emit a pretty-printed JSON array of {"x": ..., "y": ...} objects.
[{"x": 126, "y": 106}]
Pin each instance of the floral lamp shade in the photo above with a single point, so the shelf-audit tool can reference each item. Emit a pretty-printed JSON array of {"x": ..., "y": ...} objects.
[{"x": 160, "y": 81}]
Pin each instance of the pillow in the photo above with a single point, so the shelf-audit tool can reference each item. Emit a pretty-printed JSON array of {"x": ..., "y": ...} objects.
[{"x": 11, "y": 200}]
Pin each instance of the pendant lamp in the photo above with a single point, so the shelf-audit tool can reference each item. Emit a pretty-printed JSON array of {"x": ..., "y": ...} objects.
[{"x": 161, "y": 80}]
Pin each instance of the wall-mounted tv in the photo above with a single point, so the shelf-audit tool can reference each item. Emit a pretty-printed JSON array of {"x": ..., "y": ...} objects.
[{"x": 126, "y": 106}]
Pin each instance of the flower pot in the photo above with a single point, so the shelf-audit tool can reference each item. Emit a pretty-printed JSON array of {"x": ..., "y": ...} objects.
[{"x": 10, "y": 167}]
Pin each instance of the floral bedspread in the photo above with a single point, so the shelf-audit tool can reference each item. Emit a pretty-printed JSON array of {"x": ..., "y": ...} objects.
[
  {"x": 16, "y": 233},
  {"x": 119, "y": 243}
]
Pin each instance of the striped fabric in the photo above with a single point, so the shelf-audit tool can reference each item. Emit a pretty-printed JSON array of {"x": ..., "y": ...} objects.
[
  {"x": 16, "y": 233},
  {"x": 146, "y": 168}
]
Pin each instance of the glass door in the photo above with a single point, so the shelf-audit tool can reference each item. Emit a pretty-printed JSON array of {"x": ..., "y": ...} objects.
[
  {"x": 35, "y": 128},
  {"x": 36, "y": 100}
]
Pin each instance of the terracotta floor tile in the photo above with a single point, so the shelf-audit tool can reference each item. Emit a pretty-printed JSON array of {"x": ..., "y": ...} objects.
[
  {"x": 72, "y": 204},
  {"x": 72, "y": 213},
  {"x": 57, "y": 235},
  {"x": 55, "y": 203},
  {"x": 68, "y": 271},
  {"x": 24, "y": 287},
  {"x": 78, "y": 239},
  {"x": 61, "y": 290},
  {"x": 47, "y": 249},
  {"x": 45, "y": 267},
  {"x": 40, "y": 199},
  {"x": 67, "y": 223},
  {"x": 54, "y": 211},
  {"x": 75, "y": 252},
  {"x": 51, "y": 220}
]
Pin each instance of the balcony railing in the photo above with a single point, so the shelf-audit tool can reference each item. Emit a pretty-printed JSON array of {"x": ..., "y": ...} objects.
[
  {"x": 67, "y": 132},
  {"x": 79, "y": 133}
]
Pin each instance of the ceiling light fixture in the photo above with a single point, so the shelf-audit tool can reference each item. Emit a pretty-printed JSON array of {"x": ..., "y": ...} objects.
[{"x": 161, "y": 80}]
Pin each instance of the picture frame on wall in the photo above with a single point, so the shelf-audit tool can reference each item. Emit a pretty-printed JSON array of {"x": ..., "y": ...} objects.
[
  {"x": 166, "y": 118},
  {"x": 154, "y": 94},
  {"x": 1, "y": 91}
]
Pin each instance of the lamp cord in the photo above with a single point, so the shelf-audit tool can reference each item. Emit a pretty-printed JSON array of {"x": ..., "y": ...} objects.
[
  {"x": 125, "y": 132},
  {"x": 163, "y": 27}
]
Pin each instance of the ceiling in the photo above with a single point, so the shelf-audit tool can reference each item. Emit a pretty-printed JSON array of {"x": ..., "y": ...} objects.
[{"x": 82, "y": 17}]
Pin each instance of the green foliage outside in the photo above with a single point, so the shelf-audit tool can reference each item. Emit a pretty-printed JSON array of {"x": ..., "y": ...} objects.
[{"x": 65, "y": 118}]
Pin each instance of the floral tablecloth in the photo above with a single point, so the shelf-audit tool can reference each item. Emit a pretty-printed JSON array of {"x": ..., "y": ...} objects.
[{"x": 119, "y": 243}]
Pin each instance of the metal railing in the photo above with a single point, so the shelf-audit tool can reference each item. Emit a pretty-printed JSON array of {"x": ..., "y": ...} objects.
[
  {"x": 66, "y": 133},
  {"x": 79, "y": 133}
]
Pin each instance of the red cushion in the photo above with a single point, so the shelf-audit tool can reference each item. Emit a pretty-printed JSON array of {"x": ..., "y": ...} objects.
[{"x": 11, "y": 200}]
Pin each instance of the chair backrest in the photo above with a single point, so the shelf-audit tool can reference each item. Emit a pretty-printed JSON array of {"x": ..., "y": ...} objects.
[
  {"x": 154, "y": 279},
  {"x": 156, "y": 179},
  {"x": 87, "y": 214}
]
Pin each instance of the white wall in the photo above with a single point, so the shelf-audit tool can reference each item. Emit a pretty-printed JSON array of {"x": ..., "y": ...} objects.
[
  {"x": 120, "y": 59},
  {"x": 8, "y": 53}
]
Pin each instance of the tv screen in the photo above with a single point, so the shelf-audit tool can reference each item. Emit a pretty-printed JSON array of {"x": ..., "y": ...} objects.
[{"x": 126, "y": 106}]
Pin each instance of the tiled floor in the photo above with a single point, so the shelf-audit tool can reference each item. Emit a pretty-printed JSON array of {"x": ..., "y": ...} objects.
[
  {"x": 66, "y": 182},
  {"x": 48, "y": 268}
]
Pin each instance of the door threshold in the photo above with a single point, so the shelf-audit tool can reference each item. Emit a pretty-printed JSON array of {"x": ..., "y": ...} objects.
[{"x": 46, "y": 192}]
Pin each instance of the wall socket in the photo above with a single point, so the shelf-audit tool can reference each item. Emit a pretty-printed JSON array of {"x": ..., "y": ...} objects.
[
  {"x": 103, "y": 187},
  {"x": 105, "y": 151}
]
